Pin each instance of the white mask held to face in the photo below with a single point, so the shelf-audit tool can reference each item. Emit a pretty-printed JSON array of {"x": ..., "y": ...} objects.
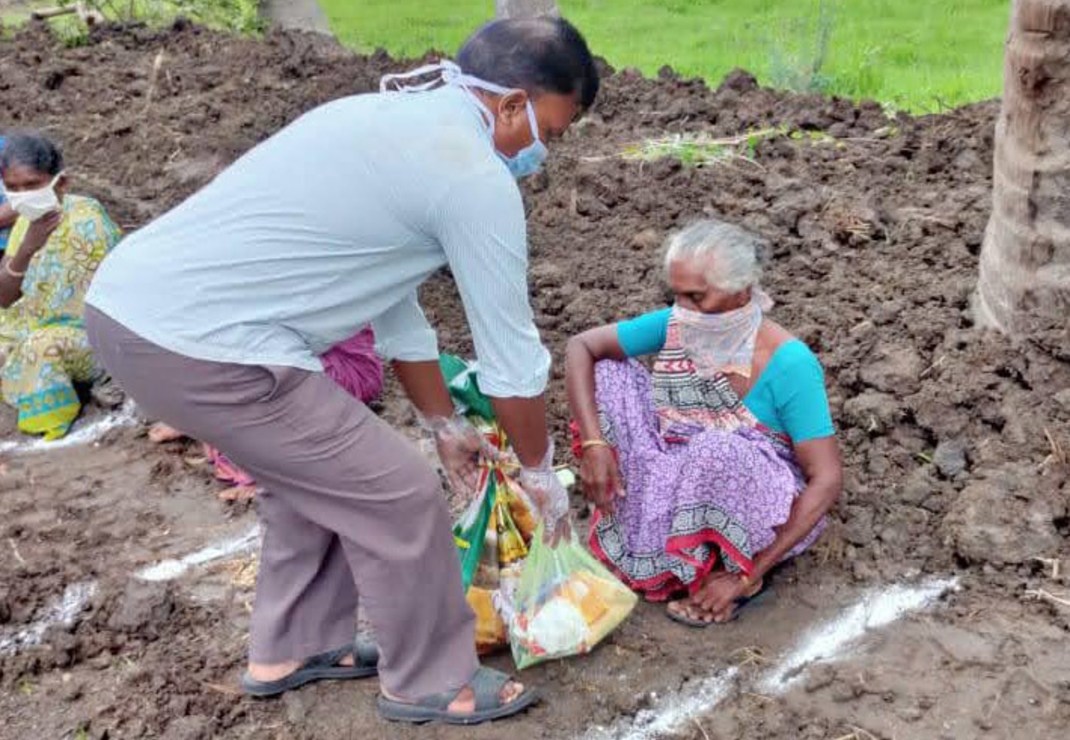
[{"x": 33, "y": 204}]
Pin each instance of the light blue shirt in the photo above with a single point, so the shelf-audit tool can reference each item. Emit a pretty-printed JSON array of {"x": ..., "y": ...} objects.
[{"x": 334, "y": 222}]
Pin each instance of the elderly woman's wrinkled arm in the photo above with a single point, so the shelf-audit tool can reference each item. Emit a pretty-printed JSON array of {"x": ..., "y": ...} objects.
[
  {"x": 823, "y": 468},
  {"x": 599, "y": 471}
]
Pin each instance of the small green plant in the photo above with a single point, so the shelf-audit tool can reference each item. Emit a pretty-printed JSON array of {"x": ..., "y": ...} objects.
[
  {"x": 81, "y": 733},
  {"x": 236, "y": 16},
  {"x": 116, "y": 10},
  {"x": 799, "y": 50},
  {"x": 814, "y": 137},
  {"x": 70, "y": 30},
  {"x": 700, "y": 150},
  {"x": 891, "y": 110}
]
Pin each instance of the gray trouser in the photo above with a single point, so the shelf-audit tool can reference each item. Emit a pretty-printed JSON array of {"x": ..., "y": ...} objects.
[{"x": 347, "y": 503}]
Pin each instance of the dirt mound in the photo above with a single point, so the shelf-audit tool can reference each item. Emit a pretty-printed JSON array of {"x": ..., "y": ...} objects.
[
  {"x": 955, "y": 441},
  {"x": 153, "y": 631},
  {"x": 875, "y": 236},
  {"x": 146, "y": 117}
]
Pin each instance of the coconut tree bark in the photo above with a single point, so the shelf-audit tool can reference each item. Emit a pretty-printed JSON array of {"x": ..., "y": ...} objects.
[
  {"x": 524, "y": 8},
  {"x": 1024, "y": 283}
]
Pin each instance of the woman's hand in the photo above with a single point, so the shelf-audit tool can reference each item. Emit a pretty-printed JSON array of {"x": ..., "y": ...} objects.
[
  {"x": 14, "y": 268},
  {"x": 38, "y": 232},
  {"x": 600, "y": 476}
]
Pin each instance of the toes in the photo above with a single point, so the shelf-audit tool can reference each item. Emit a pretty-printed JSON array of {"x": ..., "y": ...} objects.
[
  {"x": 237, "y": 493},
  {"x": 696, "y": 613},
  {"x": 160, "y": 433},
  {"x": 512, "y": 692}
]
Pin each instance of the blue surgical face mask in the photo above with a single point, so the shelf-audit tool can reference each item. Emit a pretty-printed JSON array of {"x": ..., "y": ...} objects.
[
  {"x": 524, "y": 163},
  {"x": 531, "y": 158}
]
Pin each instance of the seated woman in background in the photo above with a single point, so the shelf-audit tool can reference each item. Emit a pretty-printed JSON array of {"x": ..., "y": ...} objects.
[
  {"x": 7, "y": 215},
  {"x": 723, "y": 462},
  {"x": 54, "y": 248}
]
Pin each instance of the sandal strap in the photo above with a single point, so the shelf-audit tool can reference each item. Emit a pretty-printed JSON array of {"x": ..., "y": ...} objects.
[
  {"x": 487, "y": 684},
  {"x": 329, "y": 659},
  {"x": 365, "y": 654}
]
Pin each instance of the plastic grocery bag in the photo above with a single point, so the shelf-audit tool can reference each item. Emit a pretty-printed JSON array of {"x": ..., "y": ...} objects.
[
  {"x": 566, "y": 603},
  {"x": 492, "y": 535},
  {"x": 463, "y": 385},
  {"x": 505, "y": 549},
  {"x": 470, "y": 531}
]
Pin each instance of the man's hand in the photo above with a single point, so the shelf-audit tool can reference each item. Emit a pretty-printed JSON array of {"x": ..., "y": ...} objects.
[
  {"x": 549, "y": 495},
  {"x": 460, "y": 447}
]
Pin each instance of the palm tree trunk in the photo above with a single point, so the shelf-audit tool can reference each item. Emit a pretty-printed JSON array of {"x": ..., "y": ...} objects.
[
  {"x": 524, "y": 8},
  {"x": 1024, "y": 284}
]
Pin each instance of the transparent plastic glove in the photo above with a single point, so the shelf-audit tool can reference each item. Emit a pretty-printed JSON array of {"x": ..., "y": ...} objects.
[
  {"x": 550, "y": 496},
  {"x": 460, "y": 447}
]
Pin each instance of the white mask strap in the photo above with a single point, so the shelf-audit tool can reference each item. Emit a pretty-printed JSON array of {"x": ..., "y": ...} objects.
[
  {"x": 446, "y": 70},
  {"x": 449, "y": 74}
]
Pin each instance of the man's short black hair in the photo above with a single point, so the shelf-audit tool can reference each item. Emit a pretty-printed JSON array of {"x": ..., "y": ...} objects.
[
  {"x": 532, "y": 54},
  {"x": 30, "y": 150}
]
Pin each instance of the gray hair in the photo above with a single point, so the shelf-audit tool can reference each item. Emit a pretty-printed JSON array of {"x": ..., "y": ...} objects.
[
  {"x": 33, "y": 151},
  {"x": 733, "y": 252}
]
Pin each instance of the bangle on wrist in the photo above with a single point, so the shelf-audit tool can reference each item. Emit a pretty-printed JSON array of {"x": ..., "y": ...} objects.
[
  {"x": 589, "y": 443},
  {"x": 12, "y": 273}
]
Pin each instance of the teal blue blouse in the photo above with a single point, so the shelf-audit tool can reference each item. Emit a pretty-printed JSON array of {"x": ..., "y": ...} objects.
[{"x": 788, "y": 397}]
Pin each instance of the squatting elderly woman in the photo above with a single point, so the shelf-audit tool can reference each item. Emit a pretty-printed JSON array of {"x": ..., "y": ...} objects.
[
  {"x": 722, "y": 462},
  {"x": 55, "y": 247}
]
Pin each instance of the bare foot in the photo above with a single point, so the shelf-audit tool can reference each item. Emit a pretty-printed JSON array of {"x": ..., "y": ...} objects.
[
  {"x": 276, "y": 671},
  {"x": 240, "y": 493},
  {"x": 160, "y": 433},
  {"x": 687, "y": 609},
  {"x": 465, "y": 702},
  {"x": 717, "y": 580}
]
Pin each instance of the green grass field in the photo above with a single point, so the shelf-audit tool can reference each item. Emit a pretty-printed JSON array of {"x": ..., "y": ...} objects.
[
  {"x": 239, "y": 16},
  {"x": 919, "y": 55}
]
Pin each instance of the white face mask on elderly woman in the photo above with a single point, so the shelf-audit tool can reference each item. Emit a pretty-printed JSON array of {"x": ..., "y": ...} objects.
[{"x": 33, "y": 204}]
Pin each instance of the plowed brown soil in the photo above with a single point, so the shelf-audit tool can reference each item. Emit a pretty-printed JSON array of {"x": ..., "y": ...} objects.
[{"x": 956, "y": 441}]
